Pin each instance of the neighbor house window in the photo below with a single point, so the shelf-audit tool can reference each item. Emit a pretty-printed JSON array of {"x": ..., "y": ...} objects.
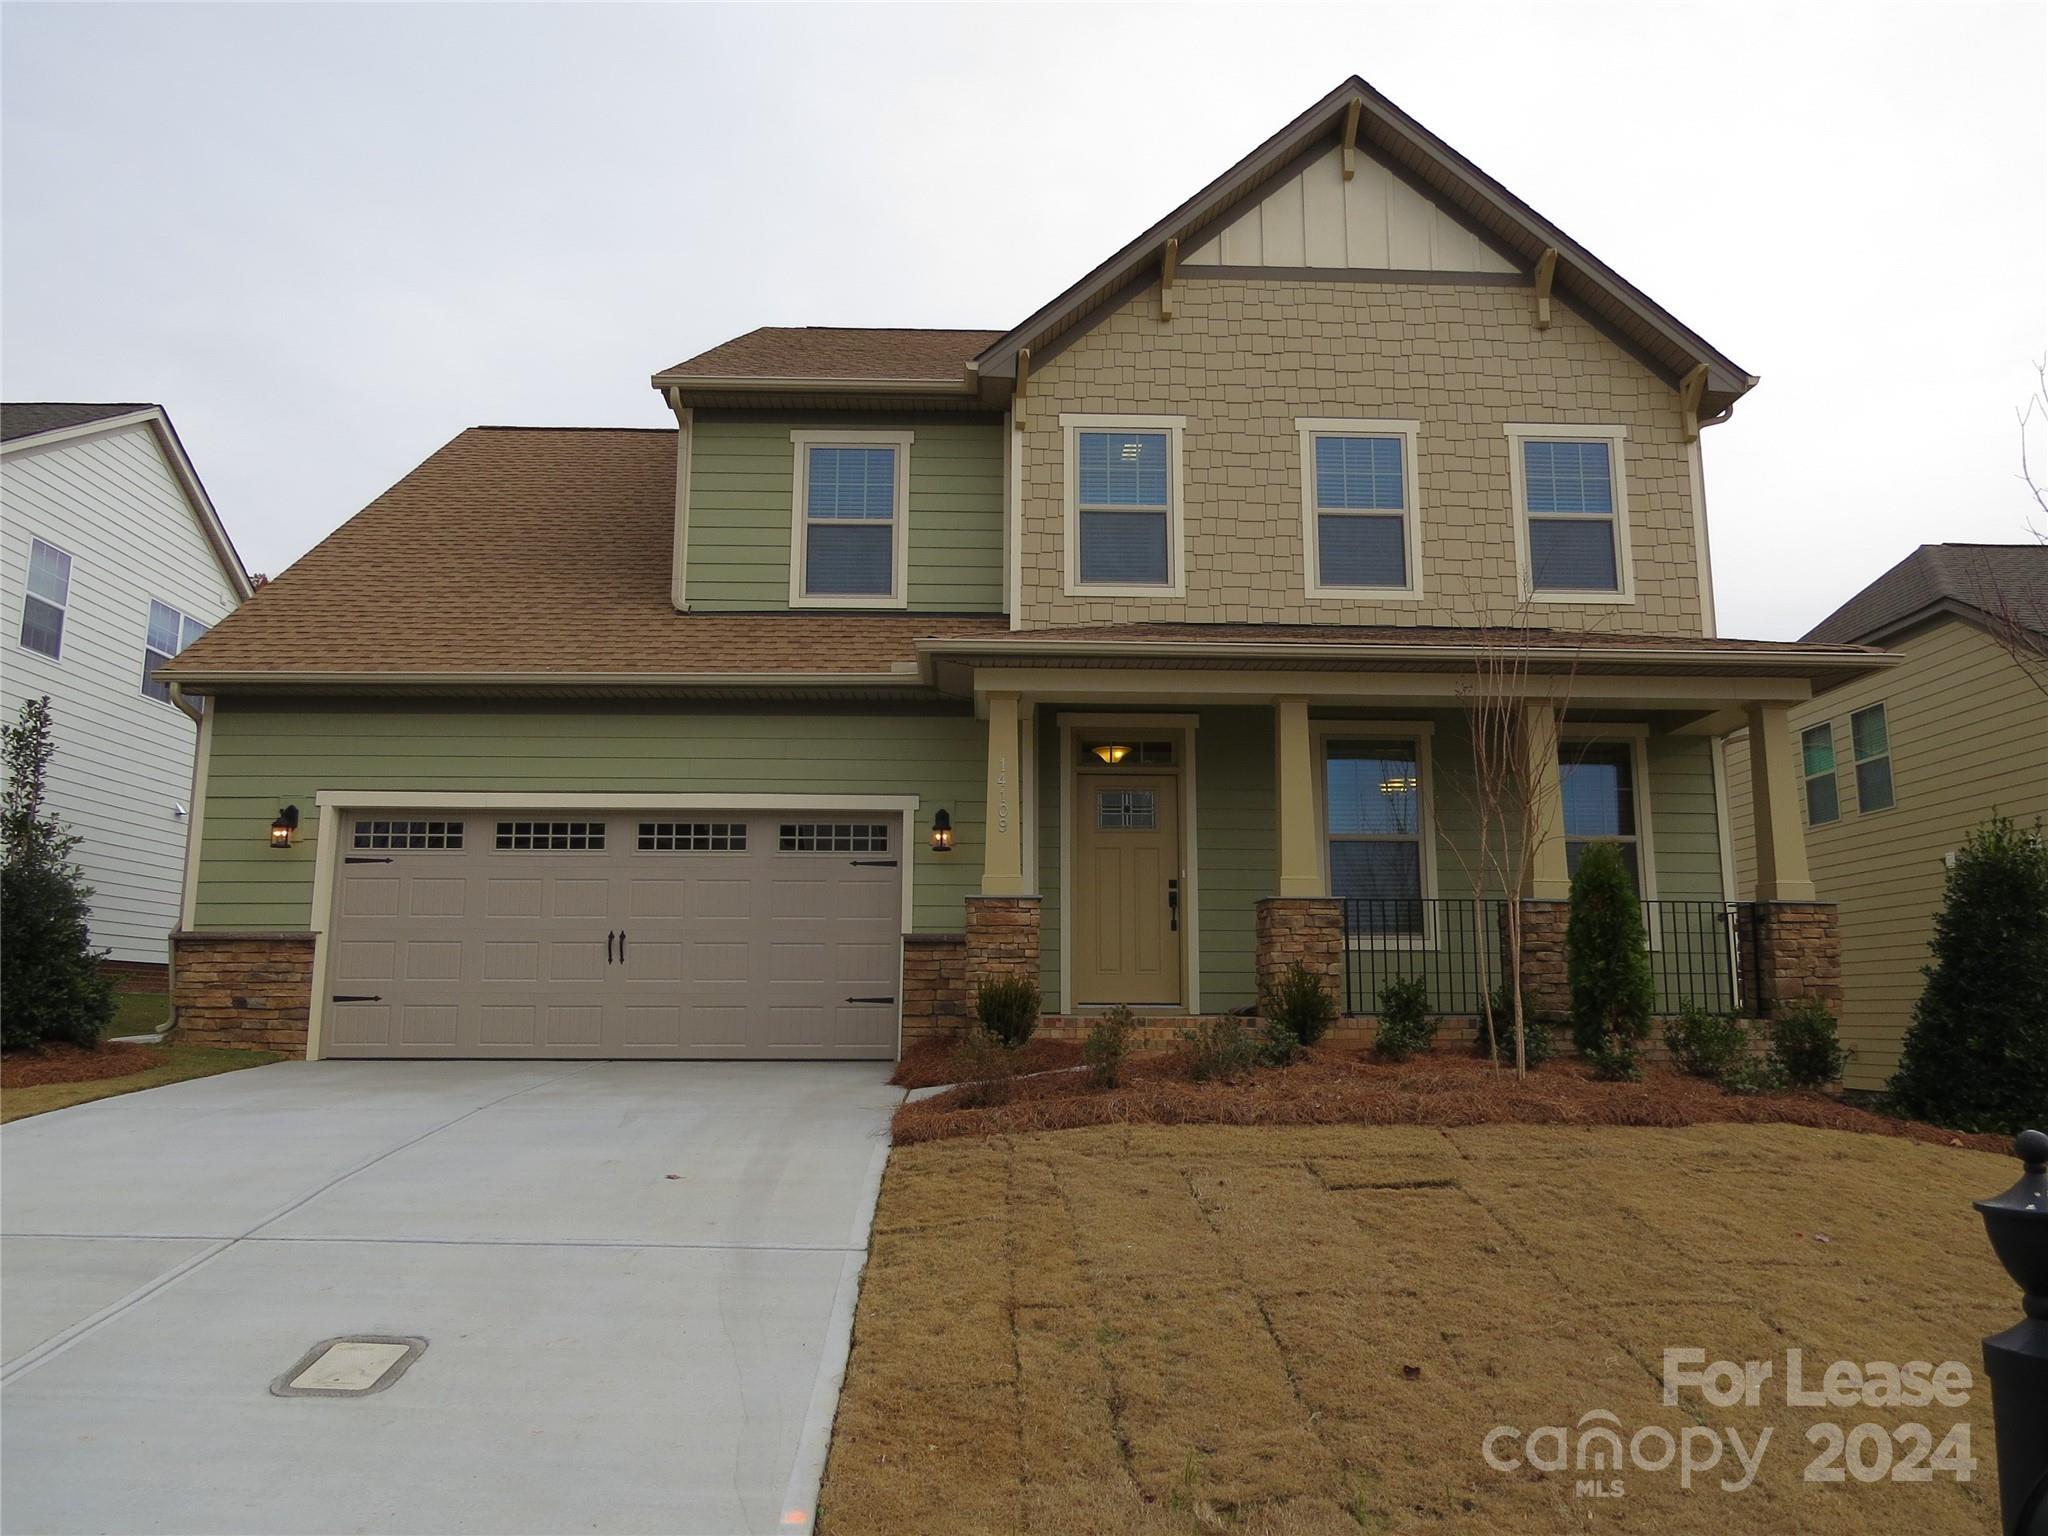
[
  {"x": 43, "y": 602},
  {"x": 1358, "y": 507},
  {"x": 1572, "y": 510},
  {"x": 169, "y": 633},
  {"x": 1123, "y": 525},
  {"x": 1817, "y": 764},
  {"x": 1373, "y": 826},
  {"x": 1873, "y": 744},
  {"x": 1598, "y": 780},
  {"x": 851, "y": 511}
]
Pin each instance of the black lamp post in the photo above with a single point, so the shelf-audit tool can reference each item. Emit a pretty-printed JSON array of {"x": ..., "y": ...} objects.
[{"x": 2017, "y": 1359}]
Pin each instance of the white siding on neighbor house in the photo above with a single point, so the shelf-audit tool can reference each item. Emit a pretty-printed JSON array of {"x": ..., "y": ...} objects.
[{"x": 111, "y": 501}]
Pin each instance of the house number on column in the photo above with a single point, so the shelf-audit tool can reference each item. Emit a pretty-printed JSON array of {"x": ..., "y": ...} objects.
[{"x": 1002, "y": 794}]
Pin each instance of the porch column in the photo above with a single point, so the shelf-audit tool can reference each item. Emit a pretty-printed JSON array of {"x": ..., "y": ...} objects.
[
  {"x": 1301, "y": 869},
  {"x": 1550, "y": 876},
  {"x": 1781, "y": 873},
  {"x": 1002, "y": 865}
]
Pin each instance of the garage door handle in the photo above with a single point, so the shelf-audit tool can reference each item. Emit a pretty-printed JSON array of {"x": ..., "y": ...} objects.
[
  {"x": 622, "y": 946},
  {"x": 358, "y": 859},
  {"x": 608, "y": 947},
  {"x": 889, "y": 1000},
  {"x": 872, "y": 863},
  {"x": 356, "y": 997}
]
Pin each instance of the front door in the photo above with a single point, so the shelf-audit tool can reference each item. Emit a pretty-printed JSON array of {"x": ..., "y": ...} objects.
[{"x": 1127, "y": 884}]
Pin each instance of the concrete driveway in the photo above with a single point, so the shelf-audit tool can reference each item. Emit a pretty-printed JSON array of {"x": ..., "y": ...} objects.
[{"x": 635, "y": 1280}]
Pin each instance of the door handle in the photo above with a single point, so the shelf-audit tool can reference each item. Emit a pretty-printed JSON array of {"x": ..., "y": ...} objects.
[
  {"x": 622, "y": 946},
  {"x": 1173, "y": 906},
  {"x": 608, "y": 946}
]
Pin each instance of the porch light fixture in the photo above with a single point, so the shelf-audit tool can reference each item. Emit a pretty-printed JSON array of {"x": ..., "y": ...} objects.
[
  {"x": 1112, "y": 753},
  {"x": 942, "y": 833},
  {"x": 285, "y": 827}
]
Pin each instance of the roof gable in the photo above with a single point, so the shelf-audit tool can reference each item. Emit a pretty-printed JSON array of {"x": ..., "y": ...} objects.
[
  {"x": 32, "y": 418},
  {"x": 1994, "y": 585},
  {"x": 1412, "y": 153}
]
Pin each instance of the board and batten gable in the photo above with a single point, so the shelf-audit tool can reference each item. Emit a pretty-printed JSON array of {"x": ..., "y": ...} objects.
[
  {"x": 742, "y": 479},
  {"x": 122, "y": 776},
  {"x": 1245, "y": 357},
  {"x": 1969, "y": 739}
]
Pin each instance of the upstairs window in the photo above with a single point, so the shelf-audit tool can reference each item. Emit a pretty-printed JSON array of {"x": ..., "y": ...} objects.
[
  {"x": 852, "y": 505},
  {"x": 1598, "y": 781},
  {"x": 43, "y": 602},
  {"x": 1358, "y": 485},
  {"x": 1123, "y": 531},
  {"x": 1817, "y": 765},
  {"x": 1872, "y": 740},
  {"x": 1572, "y": 510},
  {"x": 169, "y": 633}
]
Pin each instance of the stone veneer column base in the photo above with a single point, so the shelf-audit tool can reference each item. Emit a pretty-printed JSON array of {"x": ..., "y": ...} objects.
[
  {"x": 1546, "y": 981},
  {"x": 934, "y": 986},
  {"x": 246, "y": 989},
  {"x": 1308, "y": 929},
  {"x": 1798, "y": 954},
  {"x": 1002, "y": 940}
]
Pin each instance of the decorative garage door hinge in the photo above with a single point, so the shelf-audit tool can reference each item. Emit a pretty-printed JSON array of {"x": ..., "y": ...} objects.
[
  {"x": 357, "y": 997},
  {"x": 878, "y": 1000},
  {"x": 872, "y": 863},
  {"x": 356, "y": 858}
]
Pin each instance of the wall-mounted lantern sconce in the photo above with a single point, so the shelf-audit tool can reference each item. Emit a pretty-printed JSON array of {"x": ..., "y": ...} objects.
[
  {"x": 942, "y": 833},
  {"x": 285, "y": 828}
]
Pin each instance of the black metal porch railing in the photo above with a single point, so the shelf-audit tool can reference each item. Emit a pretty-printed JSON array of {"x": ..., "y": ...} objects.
[{"x": 1701, "y": 952}]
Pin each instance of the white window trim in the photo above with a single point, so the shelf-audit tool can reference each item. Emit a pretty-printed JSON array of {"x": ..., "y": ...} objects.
[
  {"x": 1856, "y": 762},
  {"x": 1624, "y": 561},
  {"x": 899, "y": 521},
  {"x": 1637, "y": 737},
  {"x": 1312, "y": 427},
  {"x": 63, "y": 608},
  {"x": 1422, "y": 733},
  {"x": 184, "y": 618},
  {"x": 1834, "y": 773},
  {"x": 1176, "y": 584}
]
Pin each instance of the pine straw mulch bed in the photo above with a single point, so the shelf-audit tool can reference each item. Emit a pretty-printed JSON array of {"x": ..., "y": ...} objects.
[
  {"x": 1333, "y": 1088},
  {"x": 73, "y": 1064},
  {"x": 929, "y": 1063}
]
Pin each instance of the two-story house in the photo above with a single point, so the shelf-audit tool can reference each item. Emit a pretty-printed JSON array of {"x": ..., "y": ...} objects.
[
  {"x": 1896, "y": 768},
  {"x": 112, "y": 559},
  {"x": 1133, "y": 648}
]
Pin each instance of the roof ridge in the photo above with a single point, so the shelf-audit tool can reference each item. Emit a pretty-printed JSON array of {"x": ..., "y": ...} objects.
[{"x": 508, "y": 426}]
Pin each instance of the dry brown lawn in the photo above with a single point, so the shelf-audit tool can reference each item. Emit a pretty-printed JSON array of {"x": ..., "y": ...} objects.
[{"x": 1153, "y": 1329}]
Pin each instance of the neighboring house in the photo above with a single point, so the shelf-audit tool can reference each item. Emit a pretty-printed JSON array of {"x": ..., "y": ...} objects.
[
  {"x": 111, "y": 561},
  {"x": 1894, "y": 769},
  {"x": 1127, "y": 648}
]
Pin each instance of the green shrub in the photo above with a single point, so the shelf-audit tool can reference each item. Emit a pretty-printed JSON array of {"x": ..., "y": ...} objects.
[
  {"x": 1108, "y": 1042},
  {"x": 1803, "y": 1044},
  {"x": 1405, "y": 1024},
  {"x": 1007, "y": 1007},
  {"x": 1704, "y": 1044},
  {"x": 1754, "y": 1075},
  {"x": 1222, "y": 1049},
  {"x": 1608, "y": 964},
  {"x": 1539, "y": 1044},
  {"x": 983, "y": 1067},
  {"x": 1976, "y": 1054},
  {"x": 1302, "y": 1003},
  {"x": 50, "y": 977},
  {"x": 1278, "y": 1044}
]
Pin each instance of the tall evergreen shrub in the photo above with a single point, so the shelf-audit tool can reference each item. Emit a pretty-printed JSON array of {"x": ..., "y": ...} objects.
[
  {"x": 1976, "y": 1055},
  {"x": 1608, "y": 964}
]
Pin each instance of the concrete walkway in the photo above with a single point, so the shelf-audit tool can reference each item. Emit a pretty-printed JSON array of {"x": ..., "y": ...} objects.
[{"x": 635, "y": 1279}]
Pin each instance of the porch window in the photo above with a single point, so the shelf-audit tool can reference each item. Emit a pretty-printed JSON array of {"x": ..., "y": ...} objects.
[
  {"x": 1873, "y": 743},
  {"x": 1372, "y": 793},
  {"x": 1599, "y": 786},
  {"x": 1817, "y": 765},
  {"x": 852, "y": 502}
]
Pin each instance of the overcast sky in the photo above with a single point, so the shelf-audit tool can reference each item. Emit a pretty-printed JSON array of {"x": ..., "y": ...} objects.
[{"x": 329, "y": 237}]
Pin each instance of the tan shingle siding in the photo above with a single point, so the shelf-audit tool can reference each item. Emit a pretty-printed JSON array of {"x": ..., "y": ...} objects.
[
  {"x": 1242, "y": 359},
  {"x": 1969, "y": 737}
]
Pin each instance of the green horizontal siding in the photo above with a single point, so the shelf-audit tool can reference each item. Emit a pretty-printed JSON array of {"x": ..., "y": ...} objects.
[
  {"x": 742, "y": 490},
  {"x": 264, "y": 757}
]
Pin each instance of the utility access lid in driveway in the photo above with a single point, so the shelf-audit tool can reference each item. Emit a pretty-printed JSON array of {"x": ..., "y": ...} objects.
[{"x": 622, "y": 934}]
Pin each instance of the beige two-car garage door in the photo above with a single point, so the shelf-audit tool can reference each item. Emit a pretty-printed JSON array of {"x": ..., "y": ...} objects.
[{"x": 616, "y": 934}]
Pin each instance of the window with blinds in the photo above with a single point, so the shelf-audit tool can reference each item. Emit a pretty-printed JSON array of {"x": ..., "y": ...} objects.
[
  {"x": 851, "y": 520},
  {"x": 1360, "y": 490},
  {"x": 1373, "y": 826},
  {"x": 1123, "y": 508},
  {"x": 1569, "y": 511}
]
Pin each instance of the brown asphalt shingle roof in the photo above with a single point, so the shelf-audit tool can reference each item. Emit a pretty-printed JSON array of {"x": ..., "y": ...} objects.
[
  {"x": 529, "y": 550},
  {"x": 30, "y": 418},
  {"x": 840, "y": 352},
  {"x": 1990, "y": 578}
]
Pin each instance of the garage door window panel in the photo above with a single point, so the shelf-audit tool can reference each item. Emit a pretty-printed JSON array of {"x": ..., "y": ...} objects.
[
  {"x": 550, "y": 837},
  {"x": 411, "y": 836},
  {"x": 834, "y": 837}
]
